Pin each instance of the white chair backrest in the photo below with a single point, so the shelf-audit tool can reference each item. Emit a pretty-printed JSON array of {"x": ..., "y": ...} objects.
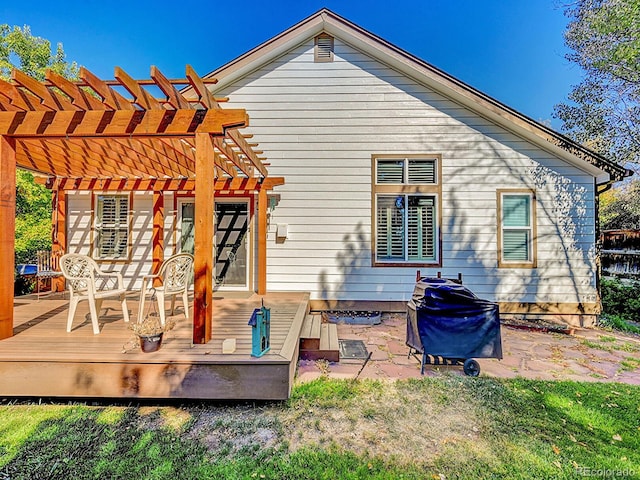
[
  {"x": 176, "y": 272},
  {"x": 79, "y": 270}
]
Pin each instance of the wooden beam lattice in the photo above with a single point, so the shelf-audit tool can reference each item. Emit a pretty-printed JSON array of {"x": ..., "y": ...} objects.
[
  {"x": 236, "y": 185},
  {"x": 92, "y": 129}
]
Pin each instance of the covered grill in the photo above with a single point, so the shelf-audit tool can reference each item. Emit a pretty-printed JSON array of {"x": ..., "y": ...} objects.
[{"x": 447, "y": 322}]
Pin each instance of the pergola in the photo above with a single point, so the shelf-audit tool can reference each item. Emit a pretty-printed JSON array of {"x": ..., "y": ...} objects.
[{"x": 128, "y": 135}]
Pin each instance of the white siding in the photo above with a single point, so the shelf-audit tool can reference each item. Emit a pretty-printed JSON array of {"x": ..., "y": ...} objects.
[
  {"x": 79, "y": 218},
  {"x": 319, "y": 124}
]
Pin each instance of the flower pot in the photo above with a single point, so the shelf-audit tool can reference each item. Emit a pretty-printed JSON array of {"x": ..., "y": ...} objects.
[{"x": 150, "y": 343}]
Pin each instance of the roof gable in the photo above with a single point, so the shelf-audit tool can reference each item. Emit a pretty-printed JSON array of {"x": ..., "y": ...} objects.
[{"x": 327, "y": 21}]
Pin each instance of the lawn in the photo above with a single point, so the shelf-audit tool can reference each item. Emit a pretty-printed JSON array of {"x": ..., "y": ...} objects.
[{"x": 443, "y": 427}]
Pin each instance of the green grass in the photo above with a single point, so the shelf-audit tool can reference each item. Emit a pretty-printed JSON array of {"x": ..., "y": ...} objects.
[
  {"x": 609, "y": 344},
  {"x": 473, "y": 429},
  {"x": 618, "y": 322}
]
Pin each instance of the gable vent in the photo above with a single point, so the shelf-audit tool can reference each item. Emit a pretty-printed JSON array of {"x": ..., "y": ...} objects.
[{"x": 323, "y": 48}]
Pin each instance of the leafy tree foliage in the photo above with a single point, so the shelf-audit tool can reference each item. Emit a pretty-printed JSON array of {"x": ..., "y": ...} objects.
[
  {"x": 604, "y": 112},
  {"x": 33, "y": 55},
  {"x": 33, "y": 217},
  {"x": 620, "y": 207}
]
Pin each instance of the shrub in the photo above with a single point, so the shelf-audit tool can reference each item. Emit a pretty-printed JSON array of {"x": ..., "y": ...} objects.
[{"x": 620, "y": 304}]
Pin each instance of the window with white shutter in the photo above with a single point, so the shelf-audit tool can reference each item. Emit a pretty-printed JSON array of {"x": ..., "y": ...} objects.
[
  {"x": 406, "y": 194},
  {"x": 516, "y": 211},
  {"x": 421, "y": 231},
  {"x": 111, "y": 227}
]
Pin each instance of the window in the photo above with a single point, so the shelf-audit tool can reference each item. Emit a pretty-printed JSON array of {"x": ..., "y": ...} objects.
[
  {"x": 405, "y": 203},
  {"x": 517, "y": 229},
  {"x": 187, "y": 232},
  {"x": 111, "y": 227},
  {"x": 323, "y": 51}
]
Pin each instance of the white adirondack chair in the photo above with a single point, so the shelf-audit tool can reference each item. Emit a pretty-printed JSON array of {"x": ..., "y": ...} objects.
[
  {"x": 175, "y": 275},
  {"x": 87, "y": 282}
]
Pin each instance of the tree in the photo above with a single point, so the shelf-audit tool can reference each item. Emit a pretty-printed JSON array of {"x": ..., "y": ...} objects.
[
  {"x": 33, "y": 217},
  {"x": 604, "y": 112},
  {"x": 620, "y": 207},
  {"x": 33, "y": 55}
]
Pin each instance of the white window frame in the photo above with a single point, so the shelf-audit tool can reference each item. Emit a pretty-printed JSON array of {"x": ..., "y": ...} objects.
[
  {"x": 99, "y": 228},
  {"x": 403, "y": 190},
  {"x": 531, "y": 261}
]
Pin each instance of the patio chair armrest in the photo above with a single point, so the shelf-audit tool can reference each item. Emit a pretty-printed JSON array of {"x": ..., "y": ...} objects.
[
  {"x": 110, "y": 273},
  {"x": 148, "y": 278}
]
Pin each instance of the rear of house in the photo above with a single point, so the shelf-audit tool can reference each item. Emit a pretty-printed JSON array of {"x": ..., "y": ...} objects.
[{"x": 390, "y": 166}]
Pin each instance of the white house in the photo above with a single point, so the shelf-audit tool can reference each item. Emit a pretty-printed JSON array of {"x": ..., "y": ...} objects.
[{"x": 390, "y": 166}]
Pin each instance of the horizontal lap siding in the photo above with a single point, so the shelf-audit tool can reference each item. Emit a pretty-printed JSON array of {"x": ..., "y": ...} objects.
[
  {"x": 79, "y": 222},
  {"x": 319, "y": 124}
]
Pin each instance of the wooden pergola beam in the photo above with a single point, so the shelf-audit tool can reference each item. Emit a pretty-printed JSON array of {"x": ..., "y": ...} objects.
[
  {"x": 110, "y": 98},
  {"x": 174, "y": 97},
  {"x": 79, "y": 97},
  {"x": 140, "y": 96},
  {"x": 48, "y": 123},
  {"x": 48, "y": 98},
  {"x": 63, "y": 158},
  {"x": 237, "y": 185},
  {"x": 207, "y": 100}
]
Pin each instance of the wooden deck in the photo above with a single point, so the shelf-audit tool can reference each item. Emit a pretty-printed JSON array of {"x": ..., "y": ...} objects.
[{"x": 43, "y": 360}]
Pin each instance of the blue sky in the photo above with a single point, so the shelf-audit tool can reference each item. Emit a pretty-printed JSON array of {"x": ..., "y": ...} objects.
[{"x": 512, "y": 50}]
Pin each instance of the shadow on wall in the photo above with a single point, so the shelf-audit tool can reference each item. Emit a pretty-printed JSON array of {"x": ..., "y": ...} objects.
[
  {"x": 354, "y": 263},
  {"x": 565, "y": 245}
]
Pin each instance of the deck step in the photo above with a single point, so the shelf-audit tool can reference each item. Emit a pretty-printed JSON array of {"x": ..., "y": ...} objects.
[
  {"x": 310, "y": 334},
  {"x": 319, "y": 341}
]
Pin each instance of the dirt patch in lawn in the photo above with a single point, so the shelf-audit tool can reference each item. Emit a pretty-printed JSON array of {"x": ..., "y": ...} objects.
[{"x": 391, "y": 420}]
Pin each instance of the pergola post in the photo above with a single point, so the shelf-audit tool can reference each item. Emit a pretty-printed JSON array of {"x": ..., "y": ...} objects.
[
  {"x": 59, "y": 240},
  {"x": 158, "y": 231},
  {"x": 7, "y": 242},
  {"x": 204, "y": 231},
  {"x": 262, "y": 241}
]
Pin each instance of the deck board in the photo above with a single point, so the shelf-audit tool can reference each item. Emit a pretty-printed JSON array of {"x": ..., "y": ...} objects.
[{"x": 42, "y": 359}]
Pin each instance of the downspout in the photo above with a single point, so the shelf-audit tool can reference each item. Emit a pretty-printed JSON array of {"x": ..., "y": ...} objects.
[{"x": 599, "y": 189}]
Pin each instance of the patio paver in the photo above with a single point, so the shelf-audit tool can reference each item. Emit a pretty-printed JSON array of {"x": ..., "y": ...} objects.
[{"x": 587, "y": 355}]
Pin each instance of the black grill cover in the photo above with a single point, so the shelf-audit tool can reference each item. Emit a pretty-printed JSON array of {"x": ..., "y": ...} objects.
[{"x": 448, "y": 320}]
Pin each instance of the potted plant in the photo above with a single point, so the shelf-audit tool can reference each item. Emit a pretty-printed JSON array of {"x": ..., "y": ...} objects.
[{"x": 150, "y": 331}]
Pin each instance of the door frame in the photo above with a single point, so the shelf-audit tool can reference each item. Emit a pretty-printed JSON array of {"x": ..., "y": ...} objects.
[
  {"x": 249, "y": 201},
  {"x": 248, "y": 241}
]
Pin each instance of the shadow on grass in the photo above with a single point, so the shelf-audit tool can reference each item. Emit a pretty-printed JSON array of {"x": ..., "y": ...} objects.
[{"x": 525, "y": 429}]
